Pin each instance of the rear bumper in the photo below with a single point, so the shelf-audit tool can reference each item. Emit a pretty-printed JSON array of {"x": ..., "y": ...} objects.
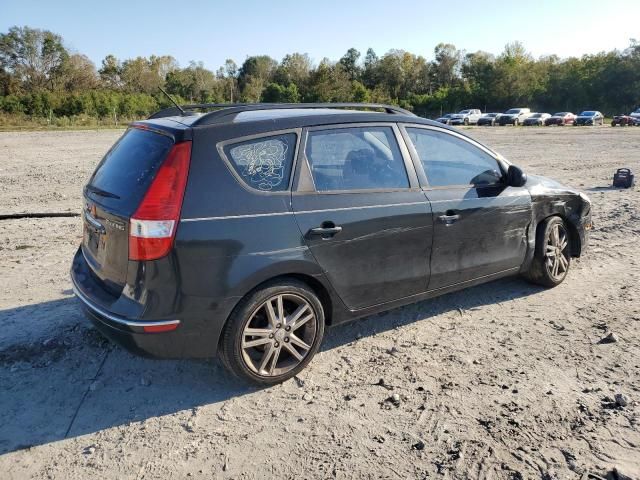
[
  {"x": 123, "y": 320},
  {"x": 130, "y": 333}
]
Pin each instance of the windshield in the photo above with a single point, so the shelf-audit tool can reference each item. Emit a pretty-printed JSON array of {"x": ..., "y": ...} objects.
[
  {"x": 448, "y": 115},
  {"x": 560, "y": 114},
  {"x": 490, "y": 115},
  {"x": 588, "y": 113},
  {"x": 513, "y": 111},
  {"x": 637, "y": 110},
  {"x": 465, "y": 112},
  {"x": 536, "y": 115}
]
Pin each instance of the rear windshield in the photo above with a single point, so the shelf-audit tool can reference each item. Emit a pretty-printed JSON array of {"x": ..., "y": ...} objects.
[
  {"x": 513, "y": 110},
  {"x": 124, "y": 174},
  {"x": 588, "y": 113}
]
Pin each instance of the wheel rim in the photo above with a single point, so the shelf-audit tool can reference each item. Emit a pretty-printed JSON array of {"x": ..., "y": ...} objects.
[
  {"x": 279, "y": 335},
  {"x": 557, "y": 255}
]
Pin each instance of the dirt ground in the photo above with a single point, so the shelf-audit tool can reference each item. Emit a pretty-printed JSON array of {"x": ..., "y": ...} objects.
[{"x": 504, "y": 380}]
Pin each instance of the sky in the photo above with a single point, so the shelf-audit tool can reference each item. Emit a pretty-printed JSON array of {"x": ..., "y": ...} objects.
[{"x": 212, "y": 31}]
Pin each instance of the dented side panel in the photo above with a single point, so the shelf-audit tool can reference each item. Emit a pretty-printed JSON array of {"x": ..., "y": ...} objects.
[
  {"x": 551, "y": 198},
  {"x": 478, "y": 231}
]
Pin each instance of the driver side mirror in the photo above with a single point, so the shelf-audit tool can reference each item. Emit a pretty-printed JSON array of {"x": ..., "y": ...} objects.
[{"x": 516, "y": 177}]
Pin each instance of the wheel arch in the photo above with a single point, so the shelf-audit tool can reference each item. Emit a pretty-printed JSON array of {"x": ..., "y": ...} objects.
[
  {"x": 316, "y": 285},
  {"x": 574, "y": 237}
]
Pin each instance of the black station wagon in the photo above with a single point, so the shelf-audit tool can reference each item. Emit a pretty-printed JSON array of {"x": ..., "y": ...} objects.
[{"x": 245, "y": 230}]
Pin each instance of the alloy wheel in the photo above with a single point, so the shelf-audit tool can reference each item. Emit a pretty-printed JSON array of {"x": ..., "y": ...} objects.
[
  {"x": 278, "y": 335},
  {"x": 557, "y": 255}
]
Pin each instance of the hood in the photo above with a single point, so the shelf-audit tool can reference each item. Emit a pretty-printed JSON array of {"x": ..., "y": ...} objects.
[{"x": 539, "y": 185}]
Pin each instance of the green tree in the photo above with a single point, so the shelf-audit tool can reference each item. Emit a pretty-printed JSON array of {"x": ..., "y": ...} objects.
[
  {"x": 349, "y": 62},
  {"x": 276, "y": 93},
  {"x": 111, "y": 72},
  {"x": 447, "y": 63},
  {"x": 256, "y": 72},
  {"x": 34, "y": 56},
  {"x": 329, "y": 83},
  {"x": 78, "y": 73}
]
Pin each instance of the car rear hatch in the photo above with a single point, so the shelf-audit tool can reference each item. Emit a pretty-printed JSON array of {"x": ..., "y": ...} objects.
[{"x": 112, "y": 196}]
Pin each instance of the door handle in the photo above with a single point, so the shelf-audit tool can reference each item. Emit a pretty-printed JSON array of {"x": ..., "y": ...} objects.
[
  {"x": 328, "y": 229},
  {"x": 449, "y": 218}
]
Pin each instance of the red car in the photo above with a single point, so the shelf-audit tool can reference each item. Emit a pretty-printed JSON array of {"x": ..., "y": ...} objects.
[
  {"x": 624, "y": 121},
  {"x": 560, "y": 118}
]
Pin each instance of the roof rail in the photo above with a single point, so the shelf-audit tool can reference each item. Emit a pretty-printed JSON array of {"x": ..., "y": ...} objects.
[{"x": 224, "y": 110}]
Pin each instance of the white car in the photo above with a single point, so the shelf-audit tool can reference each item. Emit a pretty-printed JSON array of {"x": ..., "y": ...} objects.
[
  {"x": 466, "y": 117},
  {"x": 514, "y": 116},
  {"x": 635, "y": 113}
]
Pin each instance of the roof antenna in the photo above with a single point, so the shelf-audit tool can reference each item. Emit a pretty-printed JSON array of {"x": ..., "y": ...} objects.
[{"x": 182, "y": 112}]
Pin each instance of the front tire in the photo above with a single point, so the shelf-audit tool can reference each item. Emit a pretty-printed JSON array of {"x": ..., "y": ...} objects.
[
  {"x": 552, "y": 257},
  {"x": 273, "y": 333}
]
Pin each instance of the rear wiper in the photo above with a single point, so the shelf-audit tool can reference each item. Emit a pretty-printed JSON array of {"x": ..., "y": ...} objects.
[{"x": 102, "y": 193}]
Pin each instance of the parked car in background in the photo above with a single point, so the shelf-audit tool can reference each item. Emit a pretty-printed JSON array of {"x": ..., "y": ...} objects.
[
  {"x": 247, "y": 230},
  {"x": 488, "y": 119},
  {"x": 560, "y": 118},
  {"x": 589, "y": 117},
  {"x": 466, "y": 117},
  {"x": 625, "y": 121},
  {"x": 446, "y": 119},
  {"x": 635, "y": 114},
  {"x": 536, "y": 119},
  {"x": 514, "y": 116}
]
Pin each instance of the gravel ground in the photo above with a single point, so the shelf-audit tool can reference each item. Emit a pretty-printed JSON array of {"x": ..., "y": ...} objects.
[{"x": 504, "y": 380}]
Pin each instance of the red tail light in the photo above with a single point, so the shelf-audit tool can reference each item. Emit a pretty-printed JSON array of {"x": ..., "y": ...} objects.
[{"x": 153, "y": 226}]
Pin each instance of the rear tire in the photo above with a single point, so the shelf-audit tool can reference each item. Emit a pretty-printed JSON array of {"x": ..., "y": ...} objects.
[
  {"x": 552, "y": 256},
  {"x": 273, "y": 333}
]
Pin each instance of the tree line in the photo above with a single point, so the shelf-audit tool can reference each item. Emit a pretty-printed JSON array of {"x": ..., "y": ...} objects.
[{"x": 41, "y": 78}]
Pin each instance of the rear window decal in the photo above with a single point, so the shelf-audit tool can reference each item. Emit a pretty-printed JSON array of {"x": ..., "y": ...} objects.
[{"x": 264, "y": 164}]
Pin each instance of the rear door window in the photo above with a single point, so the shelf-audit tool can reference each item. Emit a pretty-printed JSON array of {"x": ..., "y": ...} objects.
[
  {"x": 126, "y": 171},
  {"x": 263, "y": 163},
  {"x": 358, "y": 158}
]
